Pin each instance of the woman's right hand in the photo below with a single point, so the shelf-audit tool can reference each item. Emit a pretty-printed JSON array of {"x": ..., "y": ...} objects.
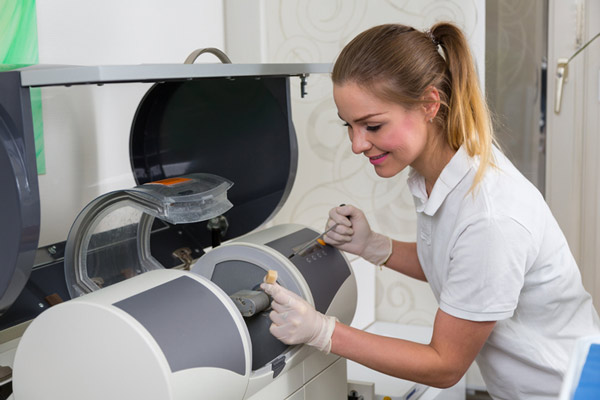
[{"x": 354, "y": 235}]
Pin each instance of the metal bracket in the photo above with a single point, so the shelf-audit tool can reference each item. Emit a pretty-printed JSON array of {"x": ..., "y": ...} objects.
[
  {"x": 303, "y": 85},
  {"x": 184, "y": 254}
]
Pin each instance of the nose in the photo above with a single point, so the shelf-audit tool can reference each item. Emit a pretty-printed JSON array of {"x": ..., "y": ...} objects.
[{"x": 360, "y": 144}]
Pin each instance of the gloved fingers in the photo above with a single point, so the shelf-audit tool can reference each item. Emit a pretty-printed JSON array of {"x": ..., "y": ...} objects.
[
  {"x": 348, "y": 211},
  {"x": 272, "y": 289},
  {"x": 330, "y": 222},
  {"x": 339, "y": 236},
  {"x": 279, "y": 294},
  {"x": 276, "y": 331},
  {"x": 282, "y": 334},
  {"x": 280, "y": 308},
  {"x": 279, "y": 318},
  {"x": 337, "y": 217},
  {"x": 339, "y": 229},
  {"x": 332, "y": 226}
]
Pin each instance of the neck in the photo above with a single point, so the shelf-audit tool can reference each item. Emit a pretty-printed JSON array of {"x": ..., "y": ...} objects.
[{"x": 435, "y": 157}]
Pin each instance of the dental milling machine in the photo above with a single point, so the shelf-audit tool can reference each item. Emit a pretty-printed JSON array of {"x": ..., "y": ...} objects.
[{"x": 154, "y": 293}]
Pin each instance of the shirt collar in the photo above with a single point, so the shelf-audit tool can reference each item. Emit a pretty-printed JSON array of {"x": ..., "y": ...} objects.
[{"x": 451, "y": 175}]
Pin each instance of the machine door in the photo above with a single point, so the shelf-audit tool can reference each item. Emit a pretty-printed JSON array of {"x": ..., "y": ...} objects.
[{"x": 19, "y": 194}]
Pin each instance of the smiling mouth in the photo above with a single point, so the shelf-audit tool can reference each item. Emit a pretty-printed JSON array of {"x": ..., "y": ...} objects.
[
  {"x": 378, "y": 157},
  {"x": 376, "y": 160}
]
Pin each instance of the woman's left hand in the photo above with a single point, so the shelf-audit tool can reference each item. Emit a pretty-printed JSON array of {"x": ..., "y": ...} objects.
[{"x": 295, "y": 321}]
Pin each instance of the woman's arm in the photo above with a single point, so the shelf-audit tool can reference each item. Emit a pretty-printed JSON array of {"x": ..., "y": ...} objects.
[
  {"x": 404, "y": 259},
  {"x": 441, "y": 363},
  {"x": 454, "y": 344}
]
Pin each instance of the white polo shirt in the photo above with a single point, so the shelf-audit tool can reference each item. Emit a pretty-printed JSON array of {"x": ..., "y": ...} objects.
[{"x": 498, "y": 254}]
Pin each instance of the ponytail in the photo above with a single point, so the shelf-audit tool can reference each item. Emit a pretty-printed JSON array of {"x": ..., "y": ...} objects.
[
  {"x": 399, "y": 63},
  {"x": 468, "y": 120}
]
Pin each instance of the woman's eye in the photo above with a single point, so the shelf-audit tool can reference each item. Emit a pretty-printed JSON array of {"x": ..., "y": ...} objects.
[{"x": 373, "y": 128}]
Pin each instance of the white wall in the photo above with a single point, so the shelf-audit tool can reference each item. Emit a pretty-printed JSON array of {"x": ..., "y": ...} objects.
[
  {"x": 86, "y": 128},
  {"x": 573, "y": 145}
]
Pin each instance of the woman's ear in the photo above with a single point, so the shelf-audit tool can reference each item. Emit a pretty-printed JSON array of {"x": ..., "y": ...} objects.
[{"x": 432, "y": 105}]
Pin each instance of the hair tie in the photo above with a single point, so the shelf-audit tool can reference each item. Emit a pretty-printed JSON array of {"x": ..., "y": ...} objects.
[{"x": 432, "y": 38}]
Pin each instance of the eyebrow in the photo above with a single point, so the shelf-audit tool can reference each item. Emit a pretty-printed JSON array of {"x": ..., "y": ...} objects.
[{"x": 362, "y": 118}]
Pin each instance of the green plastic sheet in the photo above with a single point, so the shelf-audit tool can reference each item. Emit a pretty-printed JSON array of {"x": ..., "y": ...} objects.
[{"x": 19, "y": 48}]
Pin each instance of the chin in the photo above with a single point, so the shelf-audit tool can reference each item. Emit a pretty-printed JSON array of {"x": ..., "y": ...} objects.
[{"x": 387, "y": 172}]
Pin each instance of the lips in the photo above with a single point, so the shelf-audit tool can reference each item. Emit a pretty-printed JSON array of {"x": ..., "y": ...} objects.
[{"x": 378, "y": 159}]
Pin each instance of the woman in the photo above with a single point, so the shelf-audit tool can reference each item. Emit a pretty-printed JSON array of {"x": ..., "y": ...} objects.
[{"x": 508, "y": 288}]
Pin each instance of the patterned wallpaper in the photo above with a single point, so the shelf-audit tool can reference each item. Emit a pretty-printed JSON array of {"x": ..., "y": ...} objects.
[{"x": 328, "y": 172}]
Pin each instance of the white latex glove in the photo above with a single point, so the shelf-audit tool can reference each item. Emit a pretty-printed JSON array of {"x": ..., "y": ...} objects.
[
  {"x": 296, "y": 321},
  {"x": 354, "y": 235}
]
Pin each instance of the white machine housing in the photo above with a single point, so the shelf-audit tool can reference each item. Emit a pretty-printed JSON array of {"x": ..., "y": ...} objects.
[{"x": 177, "y": 335}]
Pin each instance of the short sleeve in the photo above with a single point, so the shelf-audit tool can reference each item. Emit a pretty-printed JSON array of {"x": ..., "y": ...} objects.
[{"x": 487, "y": 269}]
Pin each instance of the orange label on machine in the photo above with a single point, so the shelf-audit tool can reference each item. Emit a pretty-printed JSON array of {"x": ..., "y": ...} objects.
[{"x": 169, "y": 181}]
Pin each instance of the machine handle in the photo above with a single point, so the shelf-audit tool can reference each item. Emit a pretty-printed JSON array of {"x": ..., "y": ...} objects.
[
  {"x": 562, "y": 70},
  {"x": 212, "y": 50}
]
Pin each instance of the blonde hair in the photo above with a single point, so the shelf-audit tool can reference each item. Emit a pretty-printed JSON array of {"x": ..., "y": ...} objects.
[{"x": 398, "y": 63}]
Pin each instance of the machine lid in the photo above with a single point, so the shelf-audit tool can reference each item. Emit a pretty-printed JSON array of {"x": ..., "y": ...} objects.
[
  {"x": 236, "y": 127},
  {"x": 256, "y": 148},
  {"x": 232, "y": 120},
  {"x": 58, "y": 75},
  {"x": 110, "y": 239}
]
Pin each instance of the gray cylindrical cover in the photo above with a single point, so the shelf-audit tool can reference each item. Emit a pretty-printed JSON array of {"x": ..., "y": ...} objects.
[{"x": 190, "y": 324}]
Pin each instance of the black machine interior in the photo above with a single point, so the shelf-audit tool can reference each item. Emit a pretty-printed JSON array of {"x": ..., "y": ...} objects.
[{"x": 239, "y": 128}]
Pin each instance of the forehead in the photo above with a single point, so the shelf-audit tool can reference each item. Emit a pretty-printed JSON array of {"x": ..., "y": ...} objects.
[
  {"x": 351, "y": 94},
  {"x": 352, "y": 89},
  {"x": 354, "y": 101}
]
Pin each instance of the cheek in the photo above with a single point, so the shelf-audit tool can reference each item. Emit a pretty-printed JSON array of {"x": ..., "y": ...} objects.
[
  {"x": 392, "y": 142},
  {"x": 402, "y": 136}
]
